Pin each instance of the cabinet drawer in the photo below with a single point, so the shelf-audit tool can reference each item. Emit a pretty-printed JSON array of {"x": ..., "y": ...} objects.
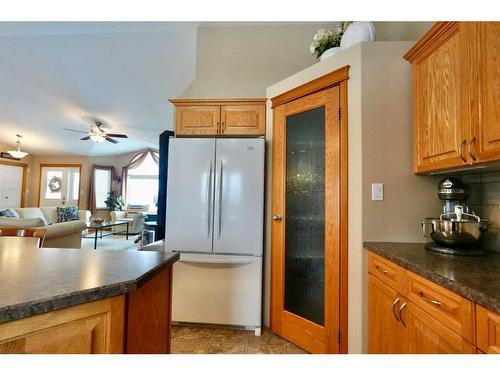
[
  {"x": 449, "y": 308},
  {"x": 487, "y": 330},
  {"x": 385, "y": 270}
]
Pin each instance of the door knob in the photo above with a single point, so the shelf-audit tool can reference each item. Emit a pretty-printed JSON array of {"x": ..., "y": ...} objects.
[{"x": 277, "y": 217}]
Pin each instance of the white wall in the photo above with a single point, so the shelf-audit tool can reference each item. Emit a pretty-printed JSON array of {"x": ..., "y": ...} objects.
[{"x": 380, "y": 150}]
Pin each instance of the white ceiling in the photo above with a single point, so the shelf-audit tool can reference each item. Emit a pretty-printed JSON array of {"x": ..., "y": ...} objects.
[{"x": 56, "y": 75}]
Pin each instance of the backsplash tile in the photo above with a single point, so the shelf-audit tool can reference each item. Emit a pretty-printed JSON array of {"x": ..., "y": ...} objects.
[{"x": 484, "y": 198}]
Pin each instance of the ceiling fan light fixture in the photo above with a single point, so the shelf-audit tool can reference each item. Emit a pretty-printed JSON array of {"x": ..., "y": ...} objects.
[
  {"x": 17, "y": 153},
  {"x": 97, "y": 138}
]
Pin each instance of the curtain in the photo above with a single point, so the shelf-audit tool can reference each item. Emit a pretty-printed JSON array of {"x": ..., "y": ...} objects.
[
  {"x": 92, "y": 201},
  {"x": 134, "y": 163}
]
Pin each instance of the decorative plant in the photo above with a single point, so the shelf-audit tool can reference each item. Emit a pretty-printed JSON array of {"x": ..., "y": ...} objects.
[
  {"x": 326, "y": 39},
  {"x": 114, "y": 201}
]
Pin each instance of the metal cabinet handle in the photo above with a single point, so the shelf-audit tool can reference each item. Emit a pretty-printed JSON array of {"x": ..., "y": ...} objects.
[
  {"x": 462, "y": 151},
  {"x": 434, "y": 302},
  {"x": 471, "y": 144},
  {"x": 396, "y": 301},
  {"x": 277, "y": 217},
  {"x": 400, "y": 316},
  {"x": 380, "y": 269}
]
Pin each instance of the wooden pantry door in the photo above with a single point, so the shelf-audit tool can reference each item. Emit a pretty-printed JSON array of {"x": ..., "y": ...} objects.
[{"x": 307, "y": 230}]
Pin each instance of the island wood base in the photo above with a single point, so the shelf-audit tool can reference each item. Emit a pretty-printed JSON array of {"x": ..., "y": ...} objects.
[{"x": 137, "y": 322}]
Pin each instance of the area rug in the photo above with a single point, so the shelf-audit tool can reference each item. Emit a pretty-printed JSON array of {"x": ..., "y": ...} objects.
[{"x": 117, "y": 242}]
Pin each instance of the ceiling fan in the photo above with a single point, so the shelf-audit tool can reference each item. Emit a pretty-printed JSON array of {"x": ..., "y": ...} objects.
[{"x": 97, "y": 134}]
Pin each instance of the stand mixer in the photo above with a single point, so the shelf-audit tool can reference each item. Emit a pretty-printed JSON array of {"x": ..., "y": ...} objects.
[{"x": 458, "y": 229}]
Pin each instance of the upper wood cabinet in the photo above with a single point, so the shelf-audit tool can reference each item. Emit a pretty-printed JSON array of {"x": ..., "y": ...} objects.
[
  {"x": 219, "y": 117},
  {"x": 486, "y": 128},
  {"x": 456, "y": 98}
]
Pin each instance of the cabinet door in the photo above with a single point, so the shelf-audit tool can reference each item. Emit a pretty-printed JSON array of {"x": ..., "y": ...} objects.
[
  {"x": 90, "y": 328},
  {"x": 486, "y": 137},
  {"x": 423, "y": 334},
  {"x": 383, "y": 324},
  {"x": 441, "y": 130},
  {"x": 197, "y": 120},
  {"x": 243, "y": 120},
  {"x": 488, "y": 330}
]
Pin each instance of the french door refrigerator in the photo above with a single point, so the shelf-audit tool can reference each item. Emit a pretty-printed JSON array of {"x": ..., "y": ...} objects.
[{"x": 215, "y": 205}]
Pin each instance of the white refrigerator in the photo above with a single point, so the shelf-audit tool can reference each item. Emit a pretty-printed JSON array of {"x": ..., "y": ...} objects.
[{"x": 215, "y": 208}]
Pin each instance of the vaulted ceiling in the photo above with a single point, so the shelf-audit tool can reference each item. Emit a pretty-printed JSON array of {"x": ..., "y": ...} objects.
[{"x": 64, "y": 75}]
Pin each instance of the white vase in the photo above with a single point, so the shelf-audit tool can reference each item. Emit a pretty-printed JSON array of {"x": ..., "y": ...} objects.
[
  {"x": 329, "y": 53},
  {"x": 358, "y": 32}
]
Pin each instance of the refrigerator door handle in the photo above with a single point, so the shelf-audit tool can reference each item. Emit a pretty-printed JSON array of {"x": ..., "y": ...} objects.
[
  {"x": 209, "y": 198},
  {"x": 220, "y": 201}
]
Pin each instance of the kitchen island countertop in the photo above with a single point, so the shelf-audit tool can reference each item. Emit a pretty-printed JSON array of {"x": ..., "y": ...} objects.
[
  {"x": 35, "y": 281},
  {"x": 474, "y": 278}
]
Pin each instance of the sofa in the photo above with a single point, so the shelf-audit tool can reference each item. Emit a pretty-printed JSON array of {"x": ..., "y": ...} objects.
[{"x": 63, "y": 235}]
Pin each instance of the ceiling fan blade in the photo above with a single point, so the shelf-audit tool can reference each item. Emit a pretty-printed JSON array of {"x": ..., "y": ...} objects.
[
  {"x": 117, "y": 135},
  {"x": 72, "y": 130},
  {"x": 111, "y": 140},
  {"x": 85, "y": 138}
]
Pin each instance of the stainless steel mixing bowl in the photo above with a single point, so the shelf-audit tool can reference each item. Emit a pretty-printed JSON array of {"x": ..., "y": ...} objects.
[{"x": 453, "y": 233}]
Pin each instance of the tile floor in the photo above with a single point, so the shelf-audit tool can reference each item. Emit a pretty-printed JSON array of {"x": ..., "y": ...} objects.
[{"x": 197, "y": 340}]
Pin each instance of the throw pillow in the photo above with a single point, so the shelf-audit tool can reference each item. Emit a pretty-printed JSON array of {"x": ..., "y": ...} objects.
[
  {"x": 67, "y": 214},
  {"x": 7, "y": 213}
]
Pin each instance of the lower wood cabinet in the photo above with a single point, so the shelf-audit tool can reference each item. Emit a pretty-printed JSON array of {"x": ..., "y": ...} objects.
[
  {"x": 383, "y": 323},
  {"x": 408, "y": 314},
  {"x": 488, "y": 330},
  {"x": 137, "y": 322},
  {"x": 423, "y": 334},
  {"x": 91, "y": 328}
]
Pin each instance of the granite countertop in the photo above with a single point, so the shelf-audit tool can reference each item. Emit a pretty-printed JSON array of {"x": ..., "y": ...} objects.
[
  {"x": 35, "y": 281},
  {"x": 474, "y": 278}
]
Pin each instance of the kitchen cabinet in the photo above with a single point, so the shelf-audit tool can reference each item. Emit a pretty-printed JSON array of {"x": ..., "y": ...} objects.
[
  {"x": 425, "y": 334},
  {"x": 383, "y": 323},
  {"x": 219, "y": 117},
  {"x": 485, "y": 141},
  {"x": 488, "y": 330},
  {"x": 91, "y": 328},
  {"x": 455, "y": 96},
  {"x": 137, "y": 322},
  {"x": 416, "y": 316}
]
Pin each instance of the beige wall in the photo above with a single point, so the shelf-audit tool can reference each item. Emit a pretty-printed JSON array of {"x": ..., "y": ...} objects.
[
  {"x": 379, "y": 141},
  {"x": 241, "y": 61}
]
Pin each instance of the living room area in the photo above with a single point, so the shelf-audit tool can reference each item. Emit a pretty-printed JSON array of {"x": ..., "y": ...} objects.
[{"x": 94, "y": 202}]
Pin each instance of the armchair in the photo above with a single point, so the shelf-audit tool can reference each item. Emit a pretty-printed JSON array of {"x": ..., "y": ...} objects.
[{"x": 135, "y": 227}]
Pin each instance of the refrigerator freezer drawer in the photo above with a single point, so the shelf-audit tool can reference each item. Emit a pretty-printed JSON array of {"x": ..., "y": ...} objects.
[{"x": 217, "y": 289}]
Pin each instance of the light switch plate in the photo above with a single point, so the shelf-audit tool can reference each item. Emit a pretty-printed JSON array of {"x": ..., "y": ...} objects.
[{"x": 377, "y": 191}]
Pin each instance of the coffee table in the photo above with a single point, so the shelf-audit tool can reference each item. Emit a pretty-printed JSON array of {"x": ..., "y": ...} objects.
[{"x": 107, "y": 224}]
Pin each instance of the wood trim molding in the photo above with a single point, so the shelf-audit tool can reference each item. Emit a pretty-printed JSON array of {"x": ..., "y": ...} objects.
[
  {"x": 24, "y": 166},
  {"x": 318, "y": 84},
  {"x": 237, "y": 101},
  {"x": 60, "y": 165},
  {"x": 344, "y": 222},
  {"x": 436, "y": 36}
]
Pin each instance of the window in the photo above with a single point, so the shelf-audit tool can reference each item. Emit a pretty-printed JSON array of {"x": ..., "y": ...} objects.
[
  {"x": 142, "y": 184},
  {"x": 102, "y": 183}
]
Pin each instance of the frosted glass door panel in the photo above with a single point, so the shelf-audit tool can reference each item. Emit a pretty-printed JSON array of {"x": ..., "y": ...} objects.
[{"x": 305, "y": 215}]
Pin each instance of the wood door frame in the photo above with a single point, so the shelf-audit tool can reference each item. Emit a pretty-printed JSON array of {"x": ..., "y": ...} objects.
[
  {"x": 23, "y": 184},
  {"x": 59, "y": 165},
  {"x": 339, "y": 78}
]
